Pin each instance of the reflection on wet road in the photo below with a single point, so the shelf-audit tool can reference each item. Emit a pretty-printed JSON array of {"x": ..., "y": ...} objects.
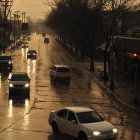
[{"x": 28, "y": 119}]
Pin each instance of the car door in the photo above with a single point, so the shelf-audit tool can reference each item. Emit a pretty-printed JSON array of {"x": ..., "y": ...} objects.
[
  {"x": 61, "y": 119},
  {"x": 72, "y": 126}
]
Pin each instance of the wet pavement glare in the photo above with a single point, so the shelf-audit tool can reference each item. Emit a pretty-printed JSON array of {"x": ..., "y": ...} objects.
[{"x": 23, "y": 119}]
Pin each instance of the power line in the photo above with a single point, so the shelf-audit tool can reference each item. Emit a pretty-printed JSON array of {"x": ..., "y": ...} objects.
[{"x": 30, "y": 6}]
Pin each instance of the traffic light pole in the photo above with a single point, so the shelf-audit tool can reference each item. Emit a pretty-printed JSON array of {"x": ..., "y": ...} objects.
[{"x": 135, "y": 85}]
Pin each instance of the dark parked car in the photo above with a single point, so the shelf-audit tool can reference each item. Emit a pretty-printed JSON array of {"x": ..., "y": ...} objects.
[
  {"x": 31, "y": 54},
  {"x": 19, "y": 85},
  {"x": 6, "y": 62},
  {"x": 46, "y": 40}
]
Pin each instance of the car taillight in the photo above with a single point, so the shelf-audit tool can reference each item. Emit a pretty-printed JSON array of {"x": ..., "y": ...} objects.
[
  {"x": 70, "y": 74},
  {"x": 55, "y": 74}
]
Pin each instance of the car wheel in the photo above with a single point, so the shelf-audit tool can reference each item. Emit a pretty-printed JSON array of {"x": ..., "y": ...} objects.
[
  {"x": 10, "y": 94},
  {"x": 11, "y": 68},
  {"x": 28, "y": 94},
  {"x": 82, "y": 136},
  {"x": 55, "y": 128}
]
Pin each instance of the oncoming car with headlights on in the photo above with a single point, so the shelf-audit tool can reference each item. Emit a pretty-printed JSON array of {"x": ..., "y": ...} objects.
[
  {"x": 19, "y": 85},
  {"x": 31, "y": 54},
  {"x": 83, "y": 123}
]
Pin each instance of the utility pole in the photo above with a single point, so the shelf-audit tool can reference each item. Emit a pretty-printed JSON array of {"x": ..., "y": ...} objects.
[
  {"x": 17, "y": 18},
  {"x": 6, "y": 6},
  {"x": 112, "y": 64},
  {"x": 23, "y": 17},
  {"x": 112, "y": 54},
  {"x": 14, "y": 29}
]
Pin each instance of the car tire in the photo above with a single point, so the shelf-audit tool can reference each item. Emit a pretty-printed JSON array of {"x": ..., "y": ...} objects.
[
  {"x": 28, "y": 94},
  {"x": 10, "y": 94},
  {"x": 55, "y": 128},
  {"x": 82, "y": 136},
  {"x": 11, "y": 68}
]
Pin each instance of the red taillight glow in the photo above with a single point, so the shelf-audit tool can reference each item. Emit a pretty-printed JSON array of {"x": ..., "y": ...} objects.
[
  {"x": 135, "y": 55},
  {"x": 55, "y": 74},
  {"x": 70, "y": 74}
]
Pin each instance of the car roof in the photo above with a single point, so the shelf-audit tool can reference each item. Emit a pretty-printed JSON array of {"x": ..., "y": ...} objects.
[
  {"x": 7, "y": 54},
  {"x": 6, "y": 57},
  {"x": 78, "y": 109},
  {"x": 64, "y": 66}
]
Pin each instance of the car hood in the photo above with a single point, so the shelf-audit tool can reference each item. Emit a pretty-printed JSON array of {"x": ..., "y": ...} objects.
[
  {"x": 19, "y": 82},
  {"x": 98, "y": 126}
]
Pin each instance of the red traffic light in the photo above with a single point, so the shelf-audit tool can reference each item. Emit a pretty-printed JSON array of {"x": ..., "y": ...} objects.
[{"x": 135, "y": 55}]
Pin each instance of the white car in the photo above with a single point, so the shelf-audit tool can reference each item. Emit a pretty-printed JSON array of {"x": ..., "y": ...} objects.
[
  {"x": 60, "y": 72},
  {"x": 19, "y": 85},
  {"x": 83, "y": 123}
]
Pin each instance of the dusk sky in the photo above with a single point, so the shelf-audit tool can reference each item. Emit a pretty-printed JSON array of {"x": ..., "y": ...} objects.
[{"x": 34, "y": 8}]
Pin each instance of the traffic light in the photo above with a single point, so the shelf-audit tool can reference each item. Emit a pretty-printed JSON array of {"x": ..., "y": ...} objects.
[
  {"x": 135, "y": 58},
  {"x": 11, "y": 35}
]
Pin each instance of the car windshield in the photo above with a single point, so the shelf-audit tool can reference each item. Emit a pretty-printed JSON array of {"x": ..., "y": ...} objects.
[
  {"x": 31, "y": 51},
  {"x": 89, "y": 117},
  {"x": 24, "y": 43},
  {"x": 5, "y": 57},
  {"x": 19, "y": 78},
  {"x": 63, "y": 70}
]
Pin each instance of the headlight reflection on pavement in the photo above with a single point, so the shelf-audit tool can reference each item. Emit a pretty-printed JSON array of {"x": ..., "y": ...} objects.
[
  {"x": 34, "y": 66},
  {"x": 10, "y": 108},
  {"x": 29, "y": 68},
  {"x": 0, "y": 81}
]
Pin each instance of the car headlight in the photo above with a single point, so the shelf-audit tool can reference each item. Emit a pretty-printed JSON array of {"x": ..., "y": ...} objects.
[
  {"x": 10, "y": 62},
  {"x": 27, "y": 85},
  {"x": 96, "y": 133},
  {"x": 115, "y": 130},
  {"x": 33, "y": 54},
  {"x": 11, "y": 85}
]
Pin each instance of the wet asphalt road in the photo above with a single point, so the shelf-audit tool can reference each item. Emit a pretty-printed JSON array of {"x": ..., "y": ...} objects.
[{"x": 24, "y": 119}]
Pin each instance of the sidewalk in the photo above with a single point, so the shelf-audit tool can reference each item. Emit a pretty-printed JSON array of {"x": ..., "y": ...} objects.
[{"x": 123, "y": 91}]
